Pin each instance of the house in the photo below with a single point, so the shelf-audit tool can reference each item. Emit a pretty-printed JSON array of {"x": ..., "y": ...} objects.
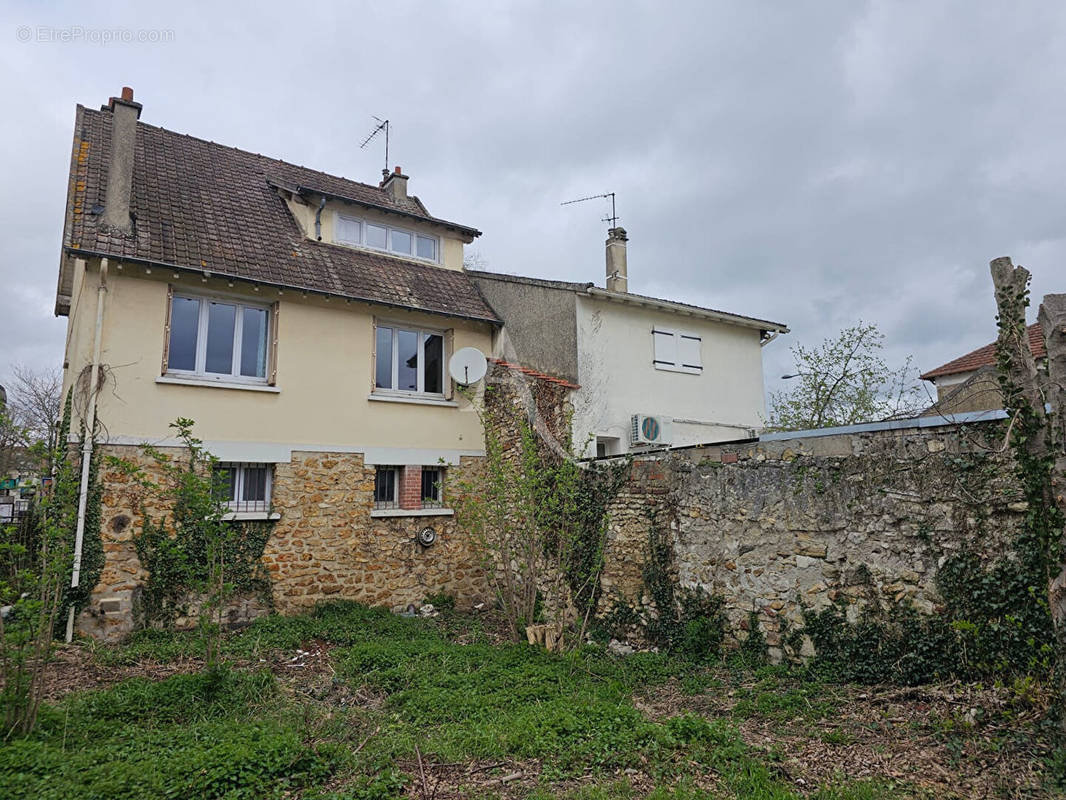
[
  {"x": 304, "y": 321},
  {"x": 970, "y": 382},
  {"x": 651, "y": 372}
]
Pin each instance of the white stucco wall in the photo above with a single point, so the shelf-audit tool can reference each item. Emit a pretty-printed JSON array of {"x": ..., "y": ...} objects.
[{"x": 618, "y": 377}]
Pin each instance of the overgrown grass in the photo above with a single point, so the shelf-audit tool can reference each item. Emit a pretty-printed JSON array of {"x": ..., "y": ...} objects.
[{"x": 238, "y": 733}]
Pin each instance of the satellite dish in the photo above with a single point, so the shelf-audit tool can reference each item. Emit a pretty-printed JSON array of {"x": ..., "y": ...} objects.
[{"x": 467, "y": 365}]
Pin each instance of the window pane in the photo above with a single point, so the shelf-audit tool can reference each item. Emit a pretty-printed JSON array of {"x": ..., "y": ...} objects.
[
  {"x": 383, "y": 359},
  {"x": 221, "y": 318},
  {"x": 427, "y": 247},
  {"x": 376, "y": 236},
  {"x": 385, "y": 485},
  {"x": 401, "y": 242},
  {"x": 254, "y": 484},
  {"x": 254, "y": 343},
  {"x": 184, "y": 324},
  {"x": 226, "y": 483},
  {"x": 431, "y": 485},
  {"x": 348, "y": 231},
  {"x": 434, "y": 352},
  {"x": 407, "y": 356}
]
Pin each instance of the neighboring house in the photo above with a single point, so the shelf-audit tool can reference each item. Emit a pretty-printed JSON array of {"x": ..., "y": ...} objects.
[
  {"x": 970, "y": 382},
  {"x": 304, "y": 322},
  {"x": 651, "y": 372}
]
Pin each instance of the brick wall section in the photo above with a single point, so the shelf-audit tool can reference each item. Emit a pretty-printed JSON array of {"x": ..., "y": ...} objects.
[
  {"x": 410, "y": 489},
  {"x": 774, "y": 525}
]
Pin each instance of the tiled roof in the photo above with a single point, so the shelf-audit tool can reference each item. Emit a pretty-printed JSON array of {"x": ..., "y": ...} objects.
[
  {"x": 532, "y": 373},
  {"x": 986, "y": 356},
  {"x": 207, "y": 207}
]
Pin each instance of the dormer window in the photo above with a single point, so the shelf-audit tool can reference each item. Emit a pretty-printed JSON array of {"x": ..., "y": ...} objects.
[{"x": 358, "y": 232}]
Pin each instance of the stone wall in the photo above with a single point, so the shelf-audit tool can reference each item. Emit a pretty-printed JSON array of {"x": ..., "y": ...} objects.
[
  {"x": 329, "y": 543},
  {"x": 861, "y": 518}
]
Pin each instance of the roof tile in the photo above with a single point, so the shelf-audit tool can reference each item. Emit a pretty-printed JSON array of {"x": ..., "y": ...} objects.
[
  {"x": 205, "y": 206},
  {"x": 986, "y": 356}
]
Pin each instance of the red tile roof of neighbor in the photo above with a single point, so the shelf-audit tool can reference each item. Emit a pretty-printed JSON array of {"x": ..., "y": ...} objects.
[
  {"x": 207, "y": 207},
  {"x": 541, "y": 376},
  {"x": 986, "y": 356}
]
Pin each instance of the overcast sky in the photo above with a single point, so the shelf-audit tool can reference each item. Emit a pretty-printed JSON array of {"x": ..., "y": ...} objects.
[{"x": 812, "y": 163}]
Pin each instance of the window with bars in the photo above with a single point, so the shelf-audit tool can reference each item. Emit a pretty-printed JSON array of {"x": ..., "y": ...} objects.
[
  {"x": 386, "y": 487},
  {"x": 432, "y": 487},
  {"x": 244, "y": 486}
]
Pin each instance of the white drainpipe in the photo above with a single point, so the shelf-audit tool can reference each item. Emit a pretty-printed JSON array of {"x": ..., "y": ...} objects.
[{"x": 87, "y": 445}]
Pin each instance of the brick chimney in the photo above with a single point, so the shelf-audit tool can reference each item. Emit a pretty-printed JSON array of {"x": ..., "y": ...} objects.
[
  {"x": 617, "y": 280},
  {"x": 124, "y": 115},
  {"x": 395, "y": 184}
]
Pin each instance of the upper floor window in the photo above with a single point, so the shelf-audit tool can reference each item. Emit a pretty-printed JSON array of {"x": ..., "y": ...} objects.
[
  {"x": 351, "y": 230},
  {"x": 218, "y": 339},
  {"x": 409, "y": 360},
  {"x": 677, "y": 351}
]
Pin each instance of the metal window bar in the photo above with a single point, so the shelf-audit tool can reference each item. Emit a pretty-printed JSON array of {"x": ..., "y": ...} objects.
[
  {"x": 386, "y": 486},
  {"x": 432, "y": 488},
  {"x": 246, "y": 486}
]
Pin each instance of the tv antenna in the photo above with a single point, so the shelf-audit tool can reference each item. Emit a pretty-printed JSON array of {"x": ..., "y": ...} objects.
[
  {"x": 383, "y": 125},
  {"x": 613, "y": 218}
]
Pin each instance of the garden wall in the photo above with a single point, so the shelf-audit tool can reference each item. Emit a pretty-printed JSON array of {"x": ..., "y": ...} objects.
[{"x": 859, "y": 518}]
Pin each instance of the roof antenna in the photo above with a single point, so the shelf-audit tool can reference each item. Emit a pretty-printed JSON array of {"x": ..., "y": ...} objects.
[
  {"x": 613, "y": 218},
  {"x": 383, "y": 125}
]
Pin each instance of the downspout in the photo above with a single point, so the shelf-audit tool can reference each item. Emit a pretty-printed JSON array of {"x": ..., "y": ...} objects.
[
  {"x": 87, "y": 444},
  {"x": 318, "y": 219}
]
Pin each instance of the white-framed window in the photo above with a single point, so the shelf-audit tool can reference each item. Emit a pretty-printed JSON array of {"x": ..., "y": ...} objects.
[
  {"x": 361, "y": 233},
  {"x": 216, "y": 338},
  {"x": 387, "y": 487},
  {"x": 676, "y": 351},
  {"x": 408, "y": 360},
  {"x": 244, "y": 486}
]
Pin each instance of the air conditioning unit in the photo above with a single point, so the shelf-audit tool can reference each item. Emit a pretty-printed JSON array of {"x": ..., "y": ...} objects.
[{"x": 647, "y": 429}]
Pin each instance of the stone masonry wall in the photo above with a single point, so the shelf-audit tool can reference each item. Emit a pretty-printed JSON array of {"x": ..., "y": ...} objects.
[
  {"x": 325, "y": 546},
  {"x": 328, "y": 546},
  {"x": 860, "y": 518}
]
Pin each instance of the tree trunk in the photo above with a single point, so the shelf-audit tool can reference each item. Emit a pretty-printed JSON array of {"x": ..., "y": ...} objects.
[{"x": 1053, "y": 321}]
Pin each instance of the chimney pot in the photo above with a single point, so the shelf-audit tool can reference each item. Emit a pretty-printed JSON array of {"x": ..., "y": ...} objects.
[
  {"x": 395, "y": 184},
  {"x": 127, "y": 94}
]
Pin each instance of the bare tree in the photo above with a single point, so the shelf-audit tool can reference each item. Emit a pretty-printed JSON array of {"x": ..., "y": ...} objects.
[
  {"x": 35, "y": 405},
  {"x": 844, "y": 381}
]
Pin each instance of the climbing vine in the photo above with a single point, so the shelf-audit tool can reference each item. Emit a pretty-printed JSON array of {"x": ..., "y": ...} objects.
[
  {"x": 688, "y": 621},
  {"x": 191, "y": 552}
]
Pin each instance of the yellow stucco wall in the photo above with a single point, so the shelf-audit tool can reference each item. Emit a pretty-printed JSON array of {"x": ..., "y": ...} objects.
[{"x": 323, "y": 372}]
